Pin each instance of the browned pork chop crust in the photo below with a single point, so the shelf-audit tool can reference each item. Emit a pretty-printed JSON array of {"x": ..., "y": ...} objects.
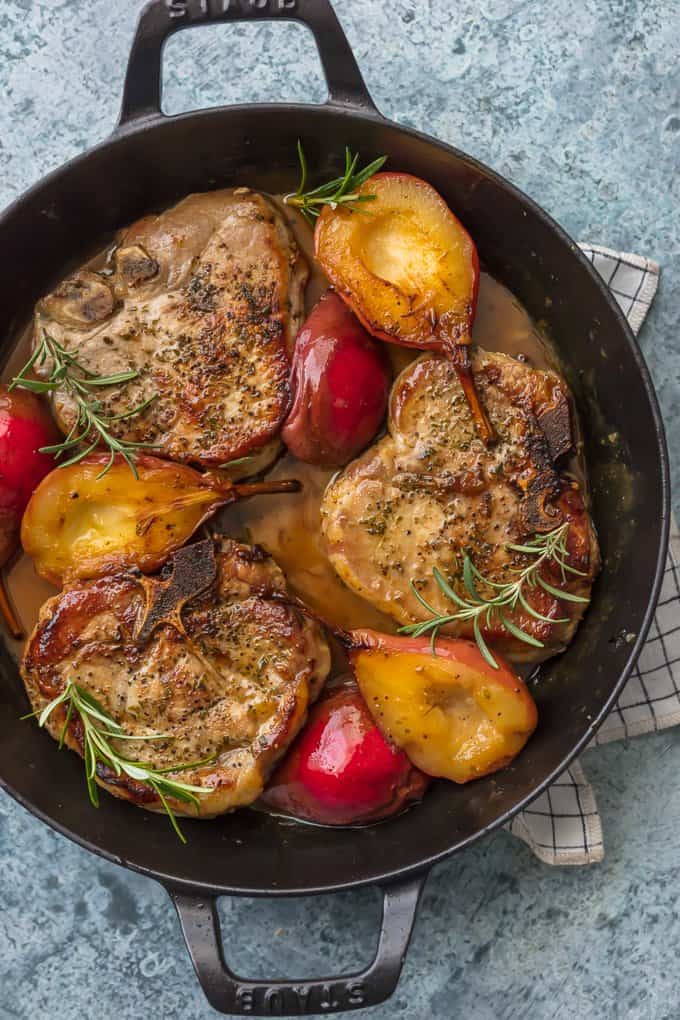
[
  {"x": 204, "y": 301},
  {"x": 430, "y": 489},
  {"x": 229, "y": 672}
]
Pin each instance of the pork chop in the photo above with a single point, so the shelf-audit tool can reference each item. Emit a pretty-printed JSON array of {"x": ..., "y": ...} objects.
[
  {"x": 430, "y": 491},
  {"x": 204, "y": 301},
  {"x": 209, "y": 653}
]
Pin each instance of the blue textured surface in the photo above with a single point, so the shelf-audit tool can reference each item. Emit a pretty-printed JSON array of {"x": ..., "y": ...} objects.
[{"x": 578, "y": 104}]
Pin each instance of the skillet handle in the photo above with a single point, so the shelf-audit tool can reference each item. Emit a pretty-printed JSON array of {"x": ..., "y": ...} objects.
[
  {"x": 162, "y": 18},
  {"x": 238, "y": 996}
]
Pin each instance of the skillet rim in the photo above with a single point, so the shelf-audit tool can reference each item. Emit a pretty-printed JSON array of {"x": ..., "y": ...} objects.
[{"x": 145, "y": 124}]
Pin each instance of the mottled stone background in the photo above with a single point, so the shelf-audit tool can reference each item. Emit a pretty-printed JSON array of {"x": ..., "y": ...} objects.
[{"x": 578, "y": 102}]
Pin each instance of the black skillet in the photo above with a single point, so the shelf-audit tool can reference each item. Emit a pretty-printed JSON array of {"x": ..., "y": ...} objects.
[{"x": 151, "y": 161}]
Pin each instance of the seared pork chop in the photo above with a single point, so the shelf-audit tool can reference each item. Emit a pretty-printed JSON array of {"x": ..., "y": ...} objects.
[
  {"x": 204, "y": 301},
  {"x": 211, "y": 655},
  {"x": 430, "y": 490}
]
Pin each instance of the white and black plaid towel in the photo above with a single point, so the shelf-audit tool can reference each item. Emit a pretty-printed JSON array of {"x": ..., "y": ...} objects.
[{"x": 563, "y": 825}]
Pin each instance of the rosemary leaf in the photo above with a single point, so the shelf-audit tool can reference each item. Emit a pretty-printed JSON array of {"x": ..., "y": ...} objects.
[
  {"x": 187, "y": 765},
  {"x": 572, "y": 570},
  {"x": 236, "y": 462},
  {"x": 559, "y": 593},
  {"x": 111, "y": 380},
  {"x": 482, "y": 645},
  {"x": 92, "y": 426},
  {"x": 420, "y": 598},
  {"x": 67, "y": 721},
  {"x": 48, "y": 709},
  {"x": 124, "y": 415},
  {"x": 180, "y": 792},
  {"x": 19, "y": 379},
  {"x": 469, "y": 579},
  {"x": 433, "y": 640},
  {"x": 70, "y": 441},
  {"x": 529, "y": 548},
  {"x": 503, "y": 598},
  {"x": 76, "y": 456},
  {"x": 369, "y": 170},
  {"x": 34, "y": 385},
  {"x": 338, "y": 191},
  {"x": 303, "y": 169},
  {"x": 170, "y": 813},
  {"x": 447, "y": 589},
  {"x": 528, "y": 608},
  {"x": 99, "y": 729},
  {"x": 521, "y": 635}
]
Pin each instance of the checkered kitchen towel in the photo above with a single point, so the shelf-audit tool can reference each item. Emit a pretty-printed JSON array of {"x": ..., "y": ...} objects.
[{"x": 563, "y": 825}]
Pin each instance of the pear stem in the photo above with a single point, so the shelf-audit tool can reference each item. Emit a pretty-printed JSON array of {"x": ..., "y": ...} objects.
[{"x": 246, "y": 489}]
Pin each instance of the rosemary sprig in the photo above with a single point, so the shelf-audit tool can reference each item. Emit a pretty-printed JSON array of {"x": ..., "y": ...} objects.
[
  {"x": 236, "y": 462},
  {"x": 339, "y": 191},
  {"x": 503, "y": 598},
  {"x": 99, "y": 729},
  {"x": 92, "y": 426}
]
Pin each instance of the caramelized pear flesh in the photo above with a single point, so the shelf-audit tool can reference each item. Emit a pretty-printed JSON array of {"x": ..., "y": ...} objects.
[
  {"x": 403, "y": 262},
  {"x": 453, "y": 715},
  {"x": 83, "y": 523}
]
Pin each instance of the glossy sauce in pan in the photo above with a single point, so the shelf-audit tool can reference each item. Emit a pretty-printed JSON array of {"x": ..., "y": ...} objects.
[{"x": 289, "y": 526}]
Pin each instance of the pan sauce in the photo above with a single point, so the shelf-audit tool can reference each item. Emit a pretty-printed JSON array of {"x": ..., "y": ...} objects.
[{"x": 289, "y": 526}]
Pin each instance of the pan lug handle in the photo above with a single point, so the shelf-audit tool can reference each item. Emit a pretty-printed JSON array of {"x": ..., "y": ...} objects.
[
  {"x": 162, "y": 18},
  {"x": 238, "y": 996}
]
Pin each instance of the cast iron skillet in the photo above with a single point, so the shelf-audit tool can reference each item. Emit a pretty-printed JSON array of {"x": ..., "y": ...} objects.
[{"x": 151, "y": 161}]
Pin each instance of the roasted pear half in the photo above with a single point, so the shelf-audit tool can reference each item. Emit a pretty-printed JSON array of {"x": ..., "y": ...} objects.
[
  {"x": 453, "y": 714},
  {"x": 84, "y": 522}
]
